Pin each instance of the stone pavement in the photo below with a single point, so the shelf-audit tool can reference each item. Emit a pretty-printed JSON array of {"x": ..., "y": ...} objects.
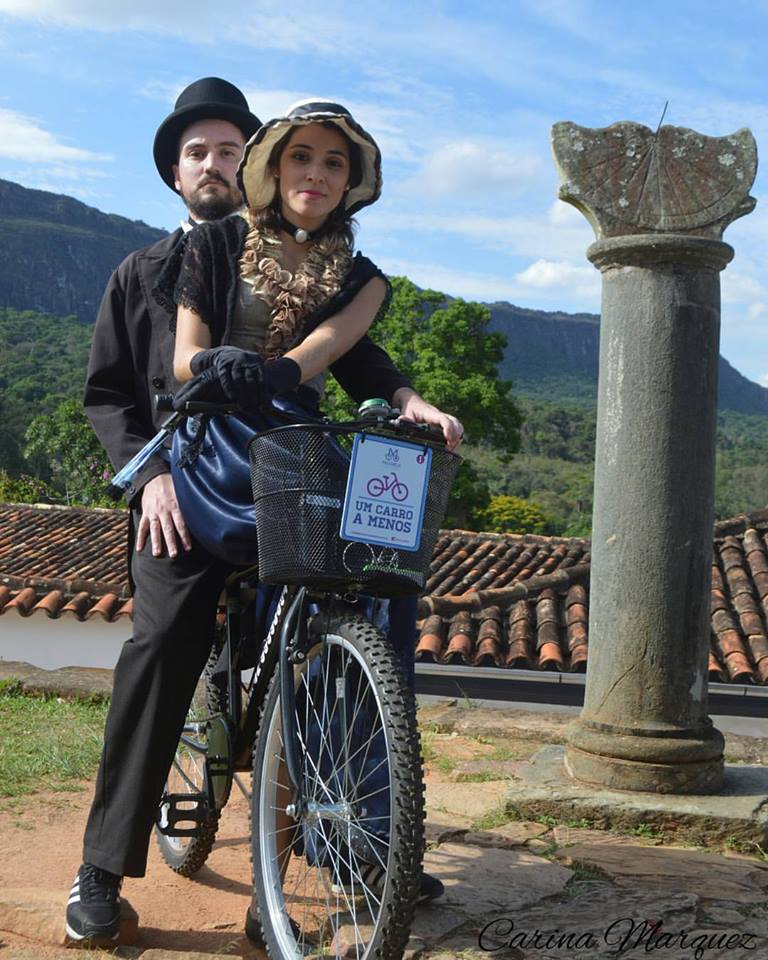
[{"x": 544, "y": 888}]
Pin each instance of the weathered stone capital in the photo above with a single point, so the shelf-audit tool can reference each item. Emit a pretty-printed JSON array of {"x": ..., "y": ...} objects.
[
  {"x": 628, "y": 180},
  {"x": 654, "y": 249}
]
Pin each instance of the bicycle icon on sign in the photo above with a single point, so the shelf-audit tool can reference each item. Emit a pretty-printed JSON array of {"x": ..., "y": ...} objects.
[{"x": 388, "y": 484}]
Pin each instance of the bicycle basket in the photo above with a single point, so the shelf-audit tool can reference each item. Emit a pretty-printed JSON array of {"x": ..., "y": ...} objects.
[{"x": 299, "y": 479}]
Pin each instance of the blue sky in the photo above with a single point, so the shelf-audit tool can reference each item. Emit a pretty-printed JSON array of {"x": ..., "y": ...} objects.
[{"x": 460, "y": 96}]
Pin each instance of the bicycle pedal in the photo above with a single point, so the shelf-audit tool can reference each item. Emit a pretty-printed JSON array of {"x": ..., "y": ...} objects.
[{"x": 170, "y": 813}]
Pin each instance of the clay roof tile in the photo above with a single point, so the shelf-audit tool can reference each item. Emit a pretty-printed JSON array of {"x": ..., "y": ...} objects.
[{"x": 51, "y": 603}]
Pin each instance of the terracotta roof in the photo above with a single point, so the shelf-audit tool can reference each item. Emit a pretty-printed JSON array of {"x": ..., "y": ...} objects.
[
  {"x": 536, "y": 615},
  {"x": 503, "y": 600},
  {"x": 63, "y": 561},
  {"x": 530, "y": 602}
]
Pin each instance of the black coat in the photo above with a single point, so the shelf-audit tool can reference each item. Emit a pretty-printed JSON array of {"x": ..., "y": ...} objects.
[{"x": 132, "y": 360}]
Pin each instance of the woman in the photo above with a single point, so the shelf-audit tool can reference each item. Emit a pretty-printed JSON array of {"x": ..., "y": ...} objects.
[
  {"x": 281, "y": 286},
  {"x": 269, "y": 302}
]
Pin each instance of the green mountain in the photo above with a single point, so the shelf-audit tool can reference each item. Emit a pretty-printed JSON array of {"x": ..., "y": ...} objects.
[
  {"x": 554, "y": 357},
  {"x": 57, "y": 253}
]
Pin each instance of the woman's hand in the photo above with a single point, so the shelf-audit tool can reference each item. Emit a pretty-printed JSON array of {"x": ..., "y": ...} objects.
[{"x": 413, "y": 407}]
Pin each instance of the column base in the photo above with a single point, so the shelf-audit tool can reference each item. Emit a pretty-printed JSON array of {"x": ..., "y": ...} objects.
[{"x": 682, "y": 761}]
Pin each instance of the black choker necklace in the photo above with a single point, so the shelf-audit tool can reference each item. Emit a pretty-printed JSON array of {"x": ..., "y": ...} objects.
[{"x": 299, "y": 234}]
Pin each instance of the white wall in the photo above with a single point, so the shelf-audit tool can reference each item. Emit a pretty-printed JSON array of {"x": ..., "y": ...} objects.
[{"x": 62, "y": 642}]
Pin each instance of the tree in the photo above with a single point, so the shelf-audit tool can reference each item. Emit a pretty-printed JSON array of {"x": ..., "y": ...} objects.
[
  {"x": 445, "y": 348},
  {"x": 24, "y": 489},
  {"x": 64, "y": 446},
  {"x": 508, "y": 514}
]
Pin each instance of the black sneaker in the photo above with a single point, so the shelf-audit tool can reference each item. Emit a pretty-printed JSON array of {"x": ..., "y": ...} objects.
[
  {"x": 369, "y": 860},
  {"x": 93, "y": 910},
  {"x": 430, "y": 888},
  {"x": 253, "y": 929},
  {"x": 372, "y": 876}
]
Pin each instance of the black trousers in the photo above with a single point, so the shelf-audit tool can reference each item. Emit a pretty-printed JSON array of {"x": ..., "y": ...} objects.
[{"x": 174, "y": 611}]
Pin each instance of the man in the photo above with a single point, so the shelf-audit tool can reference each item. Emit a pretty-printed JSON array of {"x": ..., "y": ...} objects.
[{"x": 176, "y": 583}]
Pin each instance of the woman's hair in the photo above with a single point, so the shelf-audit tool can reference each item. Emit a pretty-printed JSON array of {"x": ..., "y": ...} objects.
[{"x": 338, "y": 220}]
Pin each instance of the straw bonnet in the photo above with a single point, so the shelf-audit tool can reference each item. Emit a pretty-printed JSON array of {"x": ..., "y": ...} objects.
[{"x": 256, "y": 180}]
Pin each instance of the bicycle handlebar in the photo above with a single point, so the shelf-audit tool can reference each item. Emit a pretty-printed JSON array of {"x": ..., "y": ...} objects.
[{"x": 388, "y": 420}]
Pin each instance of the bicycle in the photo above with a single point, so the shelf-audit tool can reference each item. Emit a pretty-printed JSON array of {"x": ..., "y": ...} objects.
[{"x": 326, "y": 719}]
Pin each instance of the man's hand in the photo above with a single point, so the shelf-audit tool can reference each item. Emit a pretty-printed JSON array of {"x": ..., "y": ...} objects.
[
  {"x": 161, "y": 518},
  {"x": 413, "y": 407}
]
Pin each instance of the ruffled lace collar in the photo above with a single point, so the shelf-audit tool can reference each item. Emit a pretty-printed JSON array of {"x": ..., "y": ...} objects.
[{"x": 292, "y": 297}]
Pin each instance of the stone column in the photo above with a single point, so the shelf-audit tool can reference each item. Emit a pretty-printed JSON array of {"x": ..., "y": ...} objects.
[{"x": 658, "y": 203}]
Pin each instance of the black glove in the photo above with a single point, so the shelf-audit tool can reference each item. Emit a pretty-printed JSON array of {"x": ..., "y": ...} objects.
[
  {"x": 205, "y": 387},
  {"x": 279, "y": 376},
  {"x": 239, "y": 372}
]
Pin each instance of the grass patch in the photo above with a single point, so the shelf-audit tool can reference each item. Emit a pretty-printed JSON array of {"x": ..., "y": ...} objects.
[
  {"x": 484, "y": 776},
  {"x": 587, "y": 873},
  {"x": 647, "y": 832},
  {"x": 47, "y": 743},
  {"x": 749, "y": 847},
  {"x": 582, "y": 823},
  {"x": 494, "y": 818},
  {"x": 430, "y": 754}
]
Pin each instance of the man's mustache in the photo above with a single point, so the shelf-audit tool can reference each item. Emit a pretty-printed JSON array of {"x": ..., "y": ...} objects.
[{"x": 214, "y": 178}]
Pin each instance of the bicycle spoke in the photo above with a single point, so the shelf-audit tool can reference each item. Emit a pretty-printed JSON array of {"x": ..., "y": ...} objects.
[
  {"x": 327, "y": 870},
  {"x": 193, "y": 787}
]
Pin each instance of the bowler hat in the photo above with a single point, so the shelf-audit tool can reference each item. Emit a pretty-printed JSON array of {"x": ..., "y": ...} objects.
[
  {"x": 208, "y": 99},
  {"x": 256, "y": 180}
]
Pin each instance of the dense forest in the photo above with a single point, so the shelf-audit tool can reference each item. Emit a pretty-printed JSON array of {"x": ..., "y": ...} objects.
[{"x": 532, "y": 472}]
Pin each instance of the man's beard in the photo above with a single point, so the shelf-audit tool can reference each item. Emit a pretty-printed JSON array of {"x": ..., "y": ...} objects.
[{"x": 213, "y": 206}]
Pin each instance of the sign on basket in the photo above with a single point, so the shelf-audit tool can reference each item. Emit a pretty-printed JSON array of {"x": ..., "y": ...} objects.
[{"x": 386, "y": 491}]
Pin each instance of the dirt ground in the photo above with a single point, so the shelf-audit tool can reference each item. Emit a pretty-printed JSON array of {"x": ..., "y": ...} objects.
[
  {"x": 41, "y": 838},
  {"x": 42, "y": 848}
]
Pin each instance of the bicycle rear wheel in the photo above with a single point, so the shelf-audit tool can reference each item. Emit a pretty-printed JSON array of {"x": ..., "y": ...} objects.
[
  {"x": 340, "y": 876},
  {"x": 188, "y": 775}
]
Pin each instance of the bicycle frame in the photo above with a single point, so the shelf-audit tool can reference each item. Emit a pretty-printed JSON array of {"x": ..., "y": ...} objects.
[
  {"x": 285, "y": 642},
  {"x": 284, "y": 645}
]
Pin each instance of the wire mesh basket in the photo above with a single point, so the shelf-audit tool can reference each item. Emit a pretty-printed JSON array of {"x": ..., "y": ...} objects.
[{"x": 299, "y": 479}]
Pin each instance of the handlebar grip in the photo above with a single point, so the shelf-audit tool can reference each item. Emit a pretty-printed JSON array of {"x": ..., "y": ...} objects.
[
  {"x": 201, "y": 406},
  {"x": 164, "y": 402},
  {"x": 113, "y": 492},
  {"x": 410, "y": 426}
]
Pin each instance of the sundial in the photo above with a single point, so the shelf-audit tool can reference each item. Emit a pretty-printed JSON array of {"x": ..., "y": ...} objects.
[{"x": 628, "y": 179}]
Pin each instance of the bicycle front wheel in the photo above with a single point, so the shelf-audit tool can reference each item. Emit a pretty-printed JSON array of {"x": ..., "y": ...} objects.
[{"x": 337, "y": 870}]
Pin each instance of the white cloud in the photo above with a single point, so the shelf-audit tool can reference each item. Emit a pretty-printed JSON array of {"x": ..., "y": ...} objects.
[
  {"x": 562, "y": 214},
  {"x": 387, "y": 125},
  {"x": 255, "y": 23},
  {"x": 524, "y": 235},
  {"x": 22, "y": 139},
  {"x": 740, "y": 288},
  {"x": 763, "y": 379},
  {"x": 559, "y": 274},
  {"x": 467, "y": 168},
  {"x": 470, "y": 286},
  {"x": 59, "y": 180}
]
